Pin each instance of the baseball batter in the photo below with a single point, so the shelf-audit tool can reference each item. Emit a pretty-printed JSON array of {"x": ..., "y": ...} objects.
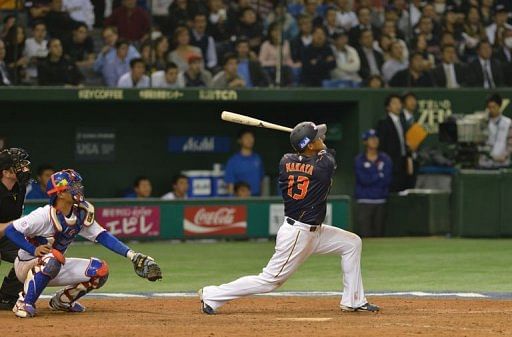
[
  {"x": 43, "y": 237},
  {"x": 305, "y": 179}
]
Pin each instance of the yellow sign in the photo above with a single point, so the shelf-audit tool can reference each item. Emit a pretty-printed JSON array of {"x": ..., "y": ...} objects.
[
  {"x": 218, "y": 95},
  {"x": 100, "y": 94},
  {"x": 433, "y": 112}
]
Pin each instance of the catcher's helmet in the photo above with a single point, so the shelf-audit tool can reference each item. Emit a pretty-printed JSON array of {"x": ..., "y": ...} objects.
[
  {"x": 66, "y": 180},
  {"x": 305, "y": 133}
]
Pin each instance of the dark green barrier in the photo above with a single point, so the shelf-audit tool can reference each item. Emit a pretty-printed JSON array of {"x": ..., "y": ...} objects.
[
  {"x": 157, "y": 219},
  {"x": 483, "y": 203},
  {"x": 418, "y": 214}
]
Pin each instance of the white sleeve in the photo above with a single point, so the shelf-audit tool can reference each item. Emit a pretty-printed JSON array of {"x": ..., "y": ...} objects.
[
  {"x": 91, "y": 233},
  {"x": 35, "y": 223}
]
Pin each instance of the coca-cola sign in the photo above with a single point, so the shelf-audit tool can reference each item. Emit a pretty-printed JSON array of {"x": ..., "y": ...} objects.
[{"x": 215, "y": 220}]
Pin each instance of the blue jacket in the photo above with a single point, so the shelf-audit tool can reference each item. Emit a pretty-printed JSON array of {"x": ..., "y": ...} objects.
[{"x": 373, "y": 178}]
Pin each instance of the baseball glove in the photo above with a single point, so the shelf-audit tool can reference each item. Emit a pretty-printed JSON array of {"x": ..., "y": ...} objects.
[{"x": 146, "y": 267}]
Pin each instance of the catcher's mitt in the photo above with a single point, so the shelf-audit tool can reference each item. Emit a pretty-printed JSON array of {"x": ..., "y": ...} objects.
[{"x": 146, "y": 267}]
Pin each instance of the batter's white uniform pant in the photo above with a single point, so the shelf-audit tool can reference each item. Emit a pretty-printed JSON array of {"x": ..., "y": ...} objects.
[
  {"x": 72, "y": 272},
  {"x": 294, "y": 244}
]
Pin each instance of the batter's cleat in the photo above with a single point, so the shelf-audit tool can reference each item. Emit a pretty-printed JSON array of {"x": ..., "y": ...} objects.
[
  {"x": 56, "y": 304},
  {"x": 205, "y": 308},
  {"x": 24, "y": 310},
  {"x": 365, "y": 307}
]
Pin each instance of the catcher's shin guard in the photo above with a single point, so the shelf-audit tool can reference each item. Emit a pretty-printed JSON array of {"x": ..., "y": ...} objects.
[
  {"x": 38, "y": 278},
  {"x": 66, "y": 299}
]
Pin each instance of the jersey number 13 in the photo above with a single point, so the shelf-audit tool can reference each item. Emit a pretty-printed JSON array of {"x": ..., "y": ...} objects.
[{"x": 301, "y": 183}]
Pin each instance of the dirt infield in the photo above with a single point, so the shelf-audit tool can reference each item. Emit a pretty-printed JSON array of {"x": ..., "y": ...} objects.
[{"x": 264, "y": 316}]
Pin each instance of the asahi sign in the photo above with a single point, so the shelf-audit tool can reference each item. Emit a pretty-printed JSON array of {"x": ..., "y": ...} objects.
[{"x": 215, "y": 220}]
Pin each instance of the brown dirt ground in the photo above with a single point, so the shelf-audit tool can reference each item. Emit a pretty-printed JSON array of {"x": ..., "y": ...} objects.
[{"x": 264, "y": 316}]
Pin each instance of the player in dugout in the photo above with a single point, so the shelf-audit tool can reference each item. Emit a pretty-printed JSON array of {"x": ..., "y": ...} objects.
[{"x": 305, "y": 179}]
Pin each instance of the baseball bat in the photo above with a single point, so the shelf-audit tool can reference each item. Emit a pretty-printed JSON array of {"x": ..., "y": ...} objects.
[{"x": 246, "y": 120}]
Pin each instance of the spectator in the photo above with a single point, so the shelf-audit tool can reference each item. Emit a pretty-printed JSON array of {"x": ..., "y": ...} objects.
[
  {"x": 180, "y": 15},
  {"x": 218, "y": 20},
  {"x": 420, "y": 46},
  {"x": 389, "y": 30},
  {"x": 303, "y": 40},
  {"x": 371, "y": 59},
  {"x": 37, "y": 189},
  {"x": 373, "y": 177},
  {"x": 109, "y": 50},
  {"x": 201, "y": 39},
  {"x": 167, "y": 78},
  {"x": 486, "y": 11},
  {"x": 229, "y": 77},
  {"x": 450, "y": 73},
  {"x": 250, "y": 28},
  {"x": 347, "y": 60},
  {"x": 374, "y": 82},
  {"x": 495, "y": 30},
  {"x": 142, "y": 188},
  {"x": 474, "y": 32},
  {"x": 451, "y": 23},
  {"x": 364, "y": 18},
  {"x": 179, "y": 188},
  {"x": 80, "y": 47},
  {"x": 132, "y": 22},
  {"x": 426, "y": 27},
  {"x": 289, "y": 24},
  {"x": 4, "y": 73},
  {"x": 180, "y": 55},
  {"x": 395, "y": 64},
  {"x": 36, "y": 49},
  {"x": 415, "y": 76},
  {"x": 318, "y": 60},
  {"x": 330, "y": 24},
  {"x": 249, "y": 68},
  {"x": 312, "y": 9},
  {"x": 242, "y": 190},
  {"x": 155, "y": 54},
  {"x": 346, "y": 18},
  {"x": 14, "y": 53},
  {"x": 58, "y": 22},
  {"x": 195, "y": 75},
  {"x": 37, "y": 10},
  {"x": 391, "y": 133},
  {"x": 270, "y": 53},
  {"x": 136, "y": 77},
  {"x": 119, "y": 65},
  {"x": 245, "y": 165},
  {"x": 383, "y": 46},
  {"x": 7, "y": 22},
  {"x": 499, "y": 136},
  {"x": 80, "y": 11},
  {"x": 485, "y": 72},
  {"x": 57, "y": 69},
  {"x": 504, "y": 55}
]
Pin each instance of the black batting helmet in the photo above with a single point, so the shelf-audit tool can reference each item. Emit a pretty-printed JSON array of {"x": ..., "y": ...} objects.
[{"x": 305, "y": 133}]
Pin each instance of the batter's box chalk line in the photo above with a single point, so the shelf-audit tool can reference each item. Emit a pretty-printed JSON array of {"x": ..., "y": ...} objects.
[{"x": 305, "y": 294}]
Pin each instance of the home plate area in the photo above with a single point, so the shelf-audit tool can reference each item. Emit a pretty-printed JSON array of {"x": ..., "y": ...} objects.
[{"x": 316, "y": 314}]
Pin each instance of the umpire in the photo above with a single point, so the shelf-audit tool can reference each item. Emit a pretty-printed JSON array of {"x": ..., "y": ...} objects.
[{"x": 14, "y": 177}]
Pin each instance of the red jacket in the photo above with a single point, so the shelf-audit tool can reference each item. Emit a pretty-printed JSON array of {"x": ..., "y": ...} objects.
[{"x": 131, "y": 24}]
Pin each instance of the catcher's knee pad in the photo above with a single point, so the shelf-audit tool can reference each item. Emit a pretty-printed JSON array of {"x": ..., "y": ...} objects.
[
  {"x": 50, "y": 267},
  {"x": 98, "y": 272}
]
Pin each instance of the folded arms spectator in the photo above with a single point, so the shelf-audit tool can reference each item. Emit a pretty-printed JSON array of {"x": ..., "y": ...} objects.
[
  {"x": 318, "y": 60},
  {"x": 229, "y": 77}
]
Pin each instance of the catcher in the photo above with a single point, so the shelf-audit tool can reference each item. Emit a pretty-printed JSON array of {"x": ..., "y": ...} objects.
[{"x": 43, "y": 237}]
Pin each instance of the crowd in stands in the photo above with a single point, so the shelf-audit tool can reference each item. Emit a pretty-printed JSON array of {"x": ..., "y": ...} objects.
[{"x": 257, "y": 43}]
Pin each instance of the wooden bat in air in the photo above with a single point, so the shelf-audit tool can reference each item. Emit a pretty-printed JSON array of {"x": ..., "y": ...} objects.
[{"x": 246, "y": 120}]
